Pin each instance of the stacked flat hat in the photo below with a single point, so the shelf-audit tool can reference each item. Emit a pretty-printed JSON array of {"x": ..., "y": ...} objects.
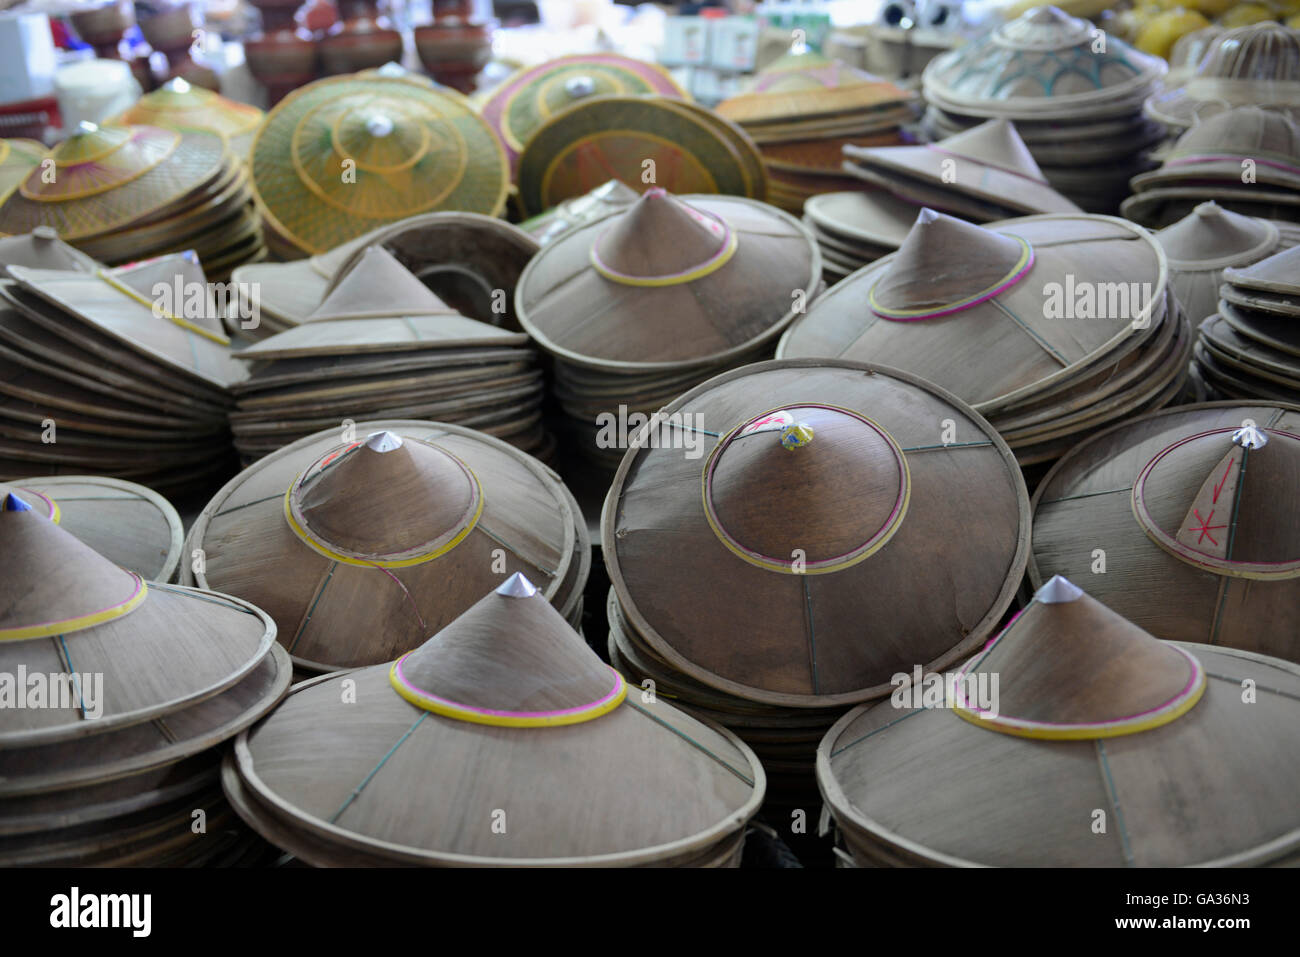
[
  {"x": 981, "y": 175},
  {"x": 643, "y": 141},
  {"x": 1245, "y": 159},
  {"x": 1202, "y": 500},
  {"x": 463, "y": 257},
  {"x": 526, "y": 100},
  {"x": 504, "y": 742},
  {"x": 1255, "y": 65},
  {"x": 1103, "y": 724},
  {"x": 803, "y": 109},
  {"x": 1051, "y": 326},
  {"x": 103, "y": 375},
  {"x": 120, "y": 693},
  {"x": 128, "y": 524},
  {"x": 348, "y": 154},
  {"x": 643, "y": 304},
  {"x": 610, "y": 196},
  {"x": 382, "y": 345},
  {"x": 1076, "y": 102},
  {"x": 17, "y": 160},
  {"x": 42, "y": 249},
  {"x": 177, "y": 105},
  {"x": 125, "y": 193},
  {"x": 1250, "y": 347},
  {"x": 1210, "y": 239},
  {"x": 361, "y": 548},
  {"x": 786, "y": 563}
]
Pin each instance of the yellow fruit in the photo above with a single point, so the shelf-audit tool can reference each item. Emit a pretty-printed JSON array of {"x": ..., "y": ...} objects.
[
  {"x": 1244, "y": 14},
  {"x": 1160, "y": 34}
]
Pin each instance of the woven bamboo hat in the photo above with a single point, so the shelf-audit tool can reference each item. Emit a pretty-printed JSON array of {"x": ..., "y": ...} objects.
[
  {"x": 1096, "y": 715},
  {"x": 638, "y": 140},
  {"x": 177, "y": 105},
  {"x": 825, "y": 485},
  {"x": 361, "y": 548},
  {"x": 1212, "y": 153},
  {"x": 128, "y": 524},
  {"x": 524, "y": 748},
  {"x": 808, "y": 85},
  {"x": 1211, "y": 239},
  {"x": 532, "y": 95},
  {"x": 17, "y": 160},
  {"x": 42, "y": 249},
  {"x": 856, "y": 227},
  {"x": 1201, "y": 499},
  {"x": 1255, "y": 65},
  {"x": 347, "y": 154},
  {"x": 381, "y": 343},
  {"x": 1056, "y": 300},
  {"x": 990, "y": 163}
]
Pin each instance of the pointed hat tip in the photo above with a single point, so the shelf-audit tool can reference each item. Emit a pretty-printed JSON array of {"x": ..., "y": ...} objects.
[
  {"x": 13, "y": 503},
  {"x": 383, "y": 441},
  {"x": 926, "y": 216},
  {"x": 517, "y": 586},
  {"x": 1058, "y": 590}
]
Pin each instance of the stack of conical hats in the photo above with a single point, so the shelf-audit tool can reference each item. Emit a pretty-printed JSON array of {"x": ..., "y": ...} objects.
[
  {"x": 642, "y": 141},
  {"x": 120, "y": 692},
  {"x": 126, "y": 193},
  {"x": 524, "y": 101},
  {"x": 1203, "y": 500},
  {"x": 856, "y": 523},
  {"x": 102, "y": 375},
  {"x": 177, "y": 105},
  {"x": 803, "y": 110},
  {"x": 515, "y": 747},
  {"x": 981, "y": 175},
  {"x": 348, "y": 154},
  {"x": 381, "y": 344},
  {"x": 1128, "y": 752},
  {"x": 641, "y": 305},
  {"x": 1210, "y": 239},
  {"x": 1250, "y": 347},
  {"x": 463, "y": 257},
  {"x": 1051, "y": 326},
  {"x": 1255, "y": 65},
  {"x": 1074, "y": 92},
  {"x": 17, "y": 160},
  {"x": 361, "y": 542},
  {"x": 1245, "y": 159},
  {"x": 130, "y": 525}
]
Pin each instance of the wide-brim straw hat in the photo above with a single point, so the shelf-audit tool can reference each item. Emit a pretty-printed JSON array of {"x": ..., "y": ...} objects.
[
  {"x": 178, "y": 105},
  {"x": 1202, "y": 499},
  {"x": 807, "y": 86},
  {"x": 505, "y": 708},
  {"x": 670, "y": 283},
  {"x": 1077, "y": 687},
  {"x": 345, "y": 155},
  {"x": 363, "y": 547},
  {"x": 17, "y": 159},
  {"x": 1220, "y": 149},
  {"x": 529, "y": 97},
  {"x": 826, "y": 499}
]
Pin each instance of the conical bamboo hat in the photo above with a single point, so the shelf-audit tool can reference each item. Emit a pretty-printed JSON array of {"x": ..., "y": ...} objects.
[
  {"x": 807, "y": 85},
  {"x": 1201, "y": 245},
  {"x": 532, "y": 95},
  {"x": 1254, "y": 65},
  {"x": 990, "y": 162},
  {"x": 42, "y": 249},
  {"x": 362, "y": 548},
  {"x": 17, "y": 159},
  {"x": 951, "y": 283},
  {"x": 106, "y": 178},
  {"x": 1043, "y": 63},
  {"x": 347, "y": 154},
  {"x": 1276, "y": 274},
  {"x": 70, "y": 609},
  {"x": 129, "y": 524},
  {"x": 1220, "y": 149},
  {"x": 1154, "y": 736},
  {"x": 1202, "y": 499},
  {"x": 505, "y": 708},
  {"x": 178, "y": 105},
  {"x": 672, "y": 281},
  {"x": 825, "y": 502}
]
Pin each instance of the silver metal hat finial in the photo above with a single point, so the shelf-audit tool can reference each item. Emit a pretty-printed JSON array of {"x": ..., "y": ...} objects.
[
  {"x": 379, "y": 124},
  {"x": 1058, "y": 590},
  {"x": 383, "y": 441},
  {"x": 1250, "y": 437},
  {"x": 517, "y": 586},
  {"x": 579, "y": 86}
]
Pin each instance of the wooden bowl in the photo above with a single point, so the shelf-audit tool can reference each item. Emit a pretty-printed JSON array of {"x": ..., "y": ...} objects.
[
  {"x": 454, "y": 45},
  {"x": 102, "y": 27},
  {"x": 360, "y": 44},
  {"x": 170, "y": 29},
  {"x": 281, "y": 56}
]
